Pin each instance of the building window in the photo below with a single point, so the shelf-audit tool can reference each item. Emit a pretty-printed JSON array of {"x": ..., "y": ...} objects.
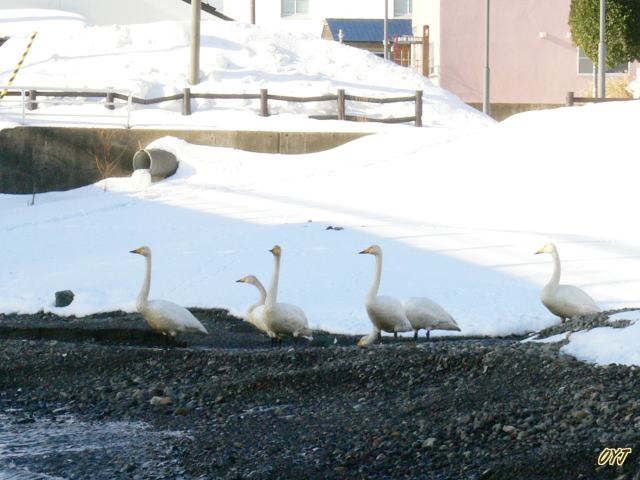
[
  {"x": 402, "y": 8},
  {"x": 585, "y": 65},
  {"x": 294, "y": 7}
]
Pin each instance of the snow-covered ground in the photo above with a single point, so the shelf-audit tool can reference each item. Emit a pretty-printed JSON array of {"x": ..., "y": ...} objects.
[
  {"x": 607, "y": 345},
  {"x": 459, "y": 206},
  {"x": 459, "y": 221}
]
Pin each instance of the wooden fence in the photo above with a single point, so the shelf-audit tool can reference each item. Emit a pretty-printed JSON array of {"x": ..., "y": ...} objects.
[
  {"x": 30, "y": 97},
  {"x": 573, "y": 100}
]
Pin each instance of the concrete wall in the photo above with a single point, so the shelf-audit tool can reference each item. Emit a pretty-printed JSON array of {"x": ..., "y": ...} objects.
[
  {"x": 43, "y": 159},
  {"x": 502, "y": 111},
  {"x": 532, "y": 56}
]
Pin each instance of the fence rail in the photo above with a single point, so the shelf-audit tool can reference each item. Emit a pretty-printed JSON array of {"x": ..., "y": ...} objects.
[
  {"x": 572, "y": 100},
  {"x": 362, "y": 118},
  {"x": 29, "y": 100}
]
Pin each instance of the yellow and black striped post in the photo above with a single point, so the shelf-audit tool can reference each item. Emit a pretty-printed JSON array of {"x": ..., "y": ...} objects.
[{"x": 15, "y": 71}]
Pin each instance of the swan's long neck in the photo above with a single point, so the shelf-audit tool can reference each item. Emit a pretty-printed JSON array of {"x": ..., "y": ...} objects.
[
  {"x": 263, "y": 292},
  {"x": 263, "y": 295},
  {"x": 373, "y": 291},
  {"x": 143, "y": 296},
  {"x": 272, "y": 295},
  {"x": 555, "y": 278}
]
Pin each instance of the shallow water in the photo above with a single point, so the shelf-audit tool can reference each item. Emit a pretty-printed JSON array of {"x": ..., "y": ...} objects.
[{"x": 35, "y": 448}]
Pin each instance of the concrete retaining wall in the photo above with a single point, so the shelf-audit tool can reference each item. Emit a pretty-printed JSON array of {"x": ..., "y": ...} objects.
[
  {"x": 502, "y": 111},
  {"x": 43, "y": 159}
]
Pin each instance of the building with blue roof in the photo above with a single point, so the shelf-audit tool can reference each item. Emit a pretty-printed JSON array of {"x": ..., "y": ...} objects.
[{"x": 366, "y": 33}]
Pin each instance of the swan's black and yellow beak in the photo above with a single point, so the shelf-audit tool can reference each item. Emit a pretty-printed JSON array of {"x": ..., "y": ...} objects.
[
  {"x": 363, "y": 251},
  {"x": 240, "y": 281},
  {"x": 276, "y": 250},
  {"x": 137, "y": 250},
  {"x": 539, "y": 251}
]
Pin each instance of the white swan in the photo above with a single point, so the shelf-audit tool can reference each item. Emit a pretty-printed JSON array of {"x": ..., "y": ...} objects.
[
  {"x": 424, "y": 313},
  {"x": 386, "y": 313},
  {"x": 255, "y": 313},
  {"x": 162, "y": 316},
  {"x": 565, "y": 301},
  {"x": 369, "y": 339},
  {"x": 283, "y": 318}
]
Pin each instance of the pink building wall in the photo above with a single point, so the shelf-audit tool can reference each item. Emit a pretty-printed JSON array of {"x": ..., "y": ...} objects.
[{"x": 525, "y": 68}]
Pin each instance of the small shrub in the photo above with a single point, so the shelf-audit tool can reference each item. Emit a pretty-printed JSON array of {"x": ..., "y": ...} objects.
[{"x": 616, "y": 87}]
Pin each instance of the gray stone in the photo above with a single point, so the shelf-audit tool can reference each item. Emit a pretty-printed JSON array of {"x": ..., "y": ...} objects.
[
  {"x": 429, "y": 442},
  {"x": 64, "y": 298},
  {"x": 138, "y": 396},
  {"x": 159, "y": 401},
  {"x": 580, "y": 414}
]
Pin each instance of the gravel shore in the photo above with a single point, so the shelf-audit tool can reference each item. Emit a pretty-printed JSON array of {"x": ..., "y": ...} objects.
[{"x": 99, "y": 397}]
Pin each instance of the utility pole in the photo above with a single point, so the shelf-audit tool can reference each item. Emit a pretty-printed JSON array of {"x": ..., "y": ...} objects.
[
  {"x": 386, "y": 30},
  {"x": 253, "y": 12},
  {"x": 602, "y": 52},
  {"x": 486, "y": 104},
  {"x": 194, "y": 70}
]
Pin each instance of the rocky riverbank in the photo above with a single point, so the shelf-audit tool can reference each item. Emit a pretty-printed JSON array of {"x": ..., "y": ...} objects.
[{"x": 110, "y": 402}]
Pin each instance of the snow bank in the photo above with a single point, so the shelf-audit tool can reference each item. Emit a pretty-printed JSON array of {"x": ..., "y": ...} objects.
[
  {"x": 215, "y": 221},
  {"x": 607, "y": 345},
  {"x": 458, "y": 219},
  {"x": 152, "y": 60}
]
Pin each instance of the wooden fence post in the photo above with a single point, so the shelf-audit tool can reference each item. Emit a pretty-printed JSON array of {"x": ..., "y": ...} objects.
[
  {"x": 418, "y": 108},
  {"x": 569, "y": 99},
  {"x": 186, "y": 101},
  {"x": 342, "y": 111},
  {"x": 32, "y": 105},
  {"x": 425, "y": 50},
  {"x": 264, "y": 102},
  {"x": 110, "y": 105}
]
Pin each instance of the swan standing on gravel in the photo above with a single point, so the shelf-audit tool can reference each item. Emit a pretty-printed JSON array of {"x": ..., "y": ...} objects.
[
  {"x": 424, "y": 313},
  {"x": 386, "y": 313},
  {"x": 283, "y": 318},
  {"x": 565, "y": 301},
  {"x": 255, "y": 313},
  {"x": 162, "y": 316}
]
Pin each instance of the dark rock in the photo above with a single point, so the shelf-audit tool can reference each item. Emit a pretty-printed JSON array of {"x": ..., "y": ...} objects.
[{"x": 64, "y": 298}]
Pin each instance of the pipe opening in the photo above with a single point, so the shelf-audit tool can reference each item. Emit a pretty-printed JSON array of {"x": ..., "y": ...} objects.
[
  {"x": 160, "y": 163},
  {"x": 141, "y": 160}
]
